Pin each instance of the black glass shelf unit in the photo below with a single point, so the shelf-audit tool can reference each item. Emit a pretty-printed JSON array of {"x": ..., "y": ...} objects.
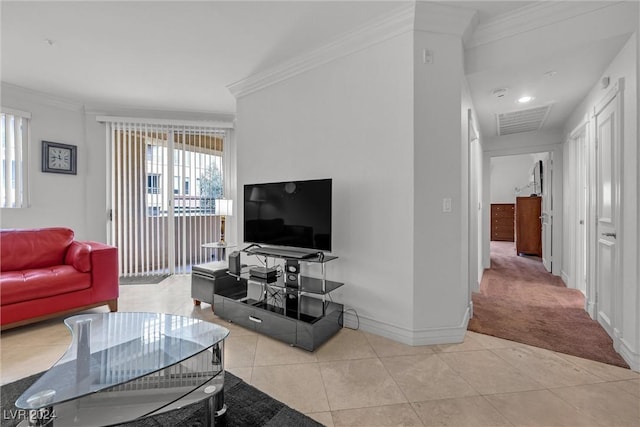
[
  {"x": 312, "y": 285},
  {"x": 293, "y": 307},
  {"x": 286, "y": 254}
]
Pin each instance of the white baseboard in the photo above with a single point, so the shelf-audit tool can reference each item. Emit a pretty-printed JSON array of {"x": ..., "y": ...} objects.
[
  {"x": 475, "y": 285},
  {"x": 431, "y": 336},
  {"x": 376, "y": 327},
  {"x": 631, "y": 357},
  {"x": 590, "y": 307}
]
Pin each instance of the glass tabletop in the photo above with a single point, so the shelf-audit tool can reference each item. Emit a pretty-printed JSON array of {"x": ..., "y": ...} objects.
[{"x": 111, "y": 349}]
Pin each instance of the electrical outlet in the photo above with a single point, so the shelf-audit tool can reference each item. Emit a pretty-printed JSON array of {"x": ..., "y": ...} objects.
[{"x": 446, "y": 204}]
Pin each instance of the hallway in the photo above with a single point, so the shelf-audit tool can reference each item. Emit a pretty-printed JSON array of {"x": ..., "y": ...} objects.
[{"x": 520, "y": 301}]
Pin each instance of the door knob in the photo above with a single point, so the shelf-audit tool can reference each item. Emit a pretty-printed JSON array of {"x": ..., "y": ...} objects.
[{"x": 609, "y": 235}]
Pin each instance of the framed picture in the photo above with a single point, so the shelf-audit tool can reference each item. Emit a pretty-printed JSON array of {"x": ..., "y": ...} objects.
[{"x": 59, "y": 158}]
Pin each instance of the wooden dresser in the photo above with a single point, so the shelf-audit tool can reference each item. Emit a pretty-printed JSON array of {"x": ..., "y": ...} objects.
[
  {"x": 502, "y": 221},
  {"x": 528, "y": 225}
]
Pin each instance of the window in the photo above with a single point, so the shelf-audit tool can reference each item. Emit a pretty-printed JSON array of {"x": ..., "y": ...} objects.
[
  {"x": 14, "y": 159},
  {"x": 153, "y": 183},
  {"x": 150, "y": 152},
  {"x": 177, "y": 178},
  {"x": 186, "y": 186},
  {"x": 176, "y": 185}
]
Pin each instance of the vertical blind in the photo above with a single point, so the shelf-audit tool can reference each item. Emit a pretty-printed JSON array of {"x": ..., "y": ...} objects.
[
  {"x": 14, "y": 161},
  {"x": 165, "y": 179}
]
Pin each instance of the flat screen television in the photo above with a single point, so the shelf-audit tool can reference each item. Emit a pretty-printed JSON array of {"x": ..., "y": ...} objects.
[{"x": 294, "y": 214}]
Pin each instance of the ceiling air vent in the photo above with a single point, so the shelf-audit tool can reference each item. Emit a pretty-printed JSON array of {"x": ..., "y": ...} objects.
[{"x": 522, "y": 121}]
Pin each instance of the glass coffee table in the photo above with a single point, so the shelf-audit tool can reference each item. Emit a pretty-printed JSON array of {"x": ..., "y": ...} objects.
[{"x": 125, "y": 366}]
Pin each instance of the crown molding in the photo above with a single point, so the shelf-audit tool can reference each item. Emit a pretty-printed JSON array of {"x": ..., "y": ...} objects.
[
  {"x": 150, "y": 113},
  {"x": 527, "y": 18},
  {"x": 398, "y": 22},
  {"x": 55, "y": 101},
  {"x": 43, "y": 98},
  {"x": 415, "y": 16},
  {"x": 14, "y": 112}
]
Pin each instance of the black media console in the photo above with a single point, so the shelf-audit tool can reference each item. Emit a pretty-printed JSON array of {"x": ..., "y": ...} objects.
[{"x": 293, "y": 308}]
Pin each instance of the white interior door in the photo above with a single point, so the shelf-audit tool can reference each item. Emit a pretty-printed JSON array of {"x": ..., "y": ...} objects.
[
  {"x": 607, "y": 128},
  {"x": 581, "y": 213},
  {"x": 475, "y": 215},
  {"x": 547, "y": 211}
]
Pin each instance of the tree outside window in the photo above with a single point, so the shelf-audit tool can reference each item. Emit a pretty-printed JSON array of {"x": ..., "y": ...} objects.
[{"x": 210, "y": 188}]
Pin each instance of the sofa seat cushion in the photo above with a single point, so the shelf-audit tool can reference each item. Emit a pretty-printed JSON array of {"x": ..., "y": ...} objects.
[{"x": 26, "y": 285}]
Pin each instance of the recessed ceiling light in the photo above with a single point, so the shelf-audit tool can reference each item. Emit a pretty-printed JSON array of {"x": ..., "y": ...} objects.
[{"x": 525, "y": 99}]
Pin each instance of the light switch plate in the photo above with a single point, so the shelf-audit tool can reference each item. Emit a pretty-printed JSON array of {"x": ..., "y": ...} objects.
[{"x": 446, "y": 204}]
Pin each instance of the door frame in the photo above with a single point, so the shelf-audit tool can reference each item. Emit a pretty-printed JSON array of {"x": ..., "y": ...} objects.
[
  {"x": 580, "y": 212},
  {"x": 474, "y": 160},
  {"x": 546, "y": 211},
  {"x": 556, "y": 195}
]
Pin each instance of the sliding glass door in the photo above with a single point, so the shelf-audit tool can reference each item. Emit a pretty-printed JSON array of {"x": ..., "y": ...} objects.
[{"x": 164, "y": 181}]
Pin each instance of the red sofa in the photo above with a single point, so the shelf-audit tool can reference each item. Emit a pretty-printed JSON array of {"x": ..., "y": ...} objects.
[{"x": 45, "y": 273}]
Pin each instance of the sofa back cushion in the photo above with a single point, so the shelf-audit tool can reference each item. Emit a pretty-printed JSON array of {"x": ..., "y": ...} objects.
[{"x": 33, "y": 248}]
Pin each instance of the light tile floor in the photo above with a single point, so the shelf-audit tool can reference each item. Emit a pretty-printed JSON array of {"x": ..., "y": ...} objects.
[{"x": 360, "y": 379}]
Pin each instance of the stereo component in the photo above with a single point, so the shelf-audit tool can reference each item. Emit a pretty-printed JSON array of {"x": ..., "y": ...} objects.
[
  {"x": 264, "y": 273},
  {"x": 234, "y": 263},
  {"x": 292, "y": 273}
]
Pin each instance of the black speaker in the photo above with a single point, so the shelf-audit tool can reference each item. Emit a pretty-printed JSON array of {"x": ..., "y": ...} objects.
[
  {"x": 292, "y": 273},
  {"x": 291, "y": 302},
  {"x": 234, "y": 263}
]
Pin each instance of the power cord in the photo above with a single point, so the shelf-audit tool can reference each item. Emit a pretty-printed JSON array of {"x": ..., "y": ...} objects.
[
  {"x": 274, "y": 294},
  {"x": 341, "y": 318},
  {"x": 253, "y": 245}
]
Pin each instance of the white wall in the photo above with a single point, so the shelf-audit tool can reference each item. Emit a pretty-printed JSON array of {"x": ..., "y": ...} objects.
[
  {"x": 441, "y": 171},
  {"x": 507, "y": 173},
  {"x": 624, "y": 66},
  {"x": 637, "y": 249},
  {"x": 475, "y": 190},
  {"x": 350, "y": 120},
  {"x": 521, "y": 143},
  {"x": 56, "y": 199},
  {"x": 369, "y": 121}
]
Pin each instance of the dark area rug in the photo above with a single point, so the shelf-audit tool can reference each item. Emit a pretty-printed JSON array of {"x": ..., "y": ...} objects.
[
  {"x": 246, "y": 406},
  {"x": 143, "y": 280},
  {"x": 520, "y": 301}
]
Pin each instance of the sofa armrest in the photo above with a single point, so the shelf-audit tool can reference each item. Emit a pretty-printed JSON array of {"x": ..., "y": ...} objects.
[
  {"x": 79, "y": 256},
  {"x": 104, "y": 271}
]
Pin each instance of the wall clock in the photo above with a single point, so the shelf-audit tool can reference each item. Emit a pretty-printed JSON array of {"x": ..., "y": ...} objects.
[{"x": 59, "y": 158}]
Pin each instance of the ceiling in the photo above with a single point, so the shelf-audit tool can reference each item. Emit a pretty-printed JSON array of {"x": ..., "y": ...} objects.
[
  {"x": 181, "y": 55},
  {"x": 556, "y": 58}
]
